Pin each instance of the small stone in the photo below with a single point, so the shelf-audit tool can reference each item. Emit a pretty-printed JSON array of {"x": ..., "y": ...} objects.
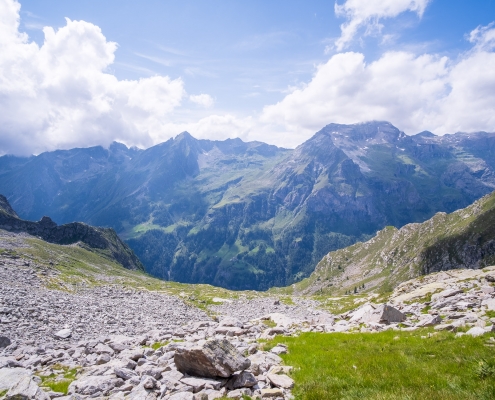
[
  {"x": 242, "y": 379},
  {"x": 4, "y": 342},
  {"x": 103, "y": 359},
  {"x": 271, "y": 393},
  {"x": 476, "y": 331},
  {"x": 64, "y": 333},
  {"x": 281, "y": 381}
]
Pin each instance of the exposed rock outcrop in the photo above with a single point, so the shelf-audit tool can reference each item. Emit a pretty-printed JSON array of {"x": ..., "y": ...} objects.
[{"x": 102, "y": 240}]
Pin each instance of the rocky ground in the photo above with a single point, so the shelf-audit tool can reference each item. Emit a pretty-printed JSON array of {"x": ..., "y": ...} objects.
[{"x": 120, "y": 343}]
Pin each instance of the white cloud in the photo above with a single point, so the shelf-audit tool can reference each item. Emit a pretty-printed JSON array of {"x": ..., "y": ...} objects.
[
  {"x": 368, "y": 13},
  {"x": 483, "y": 37},
  {"x": 204, "y": 100},
  {"x": 415, "y": 93},
  {"x": 60, "y": 95}
]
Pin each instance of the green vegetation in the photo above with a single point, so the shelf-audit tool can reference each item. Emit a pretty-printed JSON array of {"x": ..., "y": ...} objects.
[
  {"x": 59, "y": 382},
  {"x": 490, "y": 313},
  {"x": 75, "y": 267},
  {"x": 269, "y": 323},
  {"x": 3, "y": 393},
  {"x": 390, "y": 365},
  {"x": 394, "y": 256}
]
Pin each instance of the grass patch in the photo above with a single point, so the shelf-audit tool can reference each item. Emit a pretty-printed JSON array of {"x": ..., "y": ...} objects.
[
  {"x": 269, "y": 323},
  {"x": 59, "y": 382},
  {"x": 490, "y": 313},
  {"x": 3, "y": 392},
  {"x": 390, "y": 365}
]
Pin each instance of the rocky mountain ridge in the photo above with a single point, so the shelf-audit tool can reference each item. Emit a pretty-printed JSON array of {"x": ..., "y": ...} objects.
[
  {"x": 101, "y": 240},
  {"x": 248, "y": 215},
  {"x": 462, "y": 239}
]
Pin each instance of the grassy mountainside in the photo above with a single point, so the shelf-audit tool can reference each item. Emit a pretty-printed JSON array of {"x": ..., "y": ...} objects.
[
  {"x": 462, "y": 239},
  {"x": 68, "y": 267},
  {"x": 249, "y": 215},
  {"x": 103, "y": 241}
]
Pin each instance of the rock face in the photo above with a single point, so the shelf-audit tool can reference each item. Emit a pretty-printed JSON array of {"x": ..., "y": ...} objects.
[
  {"x": 462, "y": 239},
  {"x": 215, "y": 358},
  {"x": 252, "y": 206},
  {"x": 102, "y": 240}
]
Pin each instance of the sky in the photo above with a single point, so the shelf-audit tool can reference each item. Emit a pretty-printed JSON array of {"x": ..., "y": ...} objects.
[{"x": 79, "y": 74}]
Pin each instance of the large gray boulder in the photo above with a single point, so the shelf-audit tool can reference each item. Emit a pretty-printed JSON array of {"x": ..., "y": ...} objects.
[
  {"x": 26, "y": 389},
  {"x": 381, "y": 313},
  {"x": 10, "y": 377},
  {"x": 4, "y": 342},
  {"x": 215, "y": 358}
]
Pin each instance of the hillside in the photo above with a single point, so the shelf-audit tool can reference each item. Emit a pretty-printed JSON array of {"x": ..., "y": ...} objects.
[
  {"x": 462, "y": 239},
  {"x": 103, "y": 241},
  {"x": 249, "y": 215}
]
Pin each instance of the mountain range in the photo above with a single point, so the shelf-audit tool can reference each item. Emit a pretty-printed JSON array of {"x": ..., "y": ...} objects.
[{"x": 251, "y": 215}]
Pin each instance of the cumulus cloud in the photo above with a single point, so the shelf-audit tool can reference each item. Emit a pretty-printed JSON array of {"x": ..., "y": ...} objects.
[
  {"x": 60, "y": 94},
  {"x": 367, "y": 14},
  {"x": 414, "y": 92},
  {"x": 204, "y": 100}
]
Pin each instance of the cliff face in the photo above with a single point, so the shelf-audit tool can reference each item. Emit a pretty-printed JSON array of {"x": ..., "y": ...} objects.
[
  {"x": 462, "y": 239},
  {"x": 102, "y": 240},
  {"x": 249, "y": 215}
]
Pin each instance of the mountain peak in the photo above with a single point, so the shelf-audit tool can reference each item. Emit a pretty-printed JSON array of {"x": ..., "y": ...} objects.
[
  {"x": 184, "y": 136},
  {"x": 372, "y": 132}
]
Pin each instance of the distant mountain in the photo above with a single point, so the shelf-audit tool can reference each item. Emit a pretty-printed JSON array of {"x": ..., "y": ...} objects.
[
  {"x": 250, "y": 215},
  {"x": 103, "y": 241},
  {"x": 462, "y": 239}
]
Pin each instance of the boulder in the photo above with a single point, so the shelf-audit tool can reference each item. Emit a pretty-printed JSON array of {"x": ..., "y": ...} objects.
[
  {"x": 446, "y": 293},
  {"x": 271, "y": 393},
  {"x": 182, "y": 396},
  {"x": 26, "y": 389},
  {"x": 91, "y": 385},
  {"x": 489, "y": 304},
  {"x": 429, "y": 320},
  {"x": 281, "y": 381},
  {"x": 382, "y": 313},
  {"x": 199, "y": 384},
  {"x": 10, "y": 376},
  {"x": 231, "y": 321},
  {"x": 476, "y": 331},
  {"x": 63, "y": 334},
  {"x": 141, "y": 393},
  {"x": 242, "y": 379},
  {"x": 4, "y": 342},
  {"x": 214, "y": 358}
]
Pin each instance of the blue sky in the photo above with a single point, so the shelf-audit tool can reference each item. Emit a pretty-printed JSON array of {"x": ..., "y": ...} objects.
[{"x": 261, "y": 70}]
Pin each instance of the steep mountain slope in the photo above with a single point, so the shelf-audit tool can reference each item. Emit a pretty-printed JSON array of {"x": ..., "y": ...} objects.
[
  {"x": 102, "y": 241},
  {"x": 462, "y": 239},
  {"x": 249, "y": 215}
]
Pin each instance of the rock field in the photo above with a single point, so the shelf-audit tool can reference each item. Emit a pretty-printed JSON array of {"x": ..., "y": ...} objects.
[{"x": 120, "y": 343}]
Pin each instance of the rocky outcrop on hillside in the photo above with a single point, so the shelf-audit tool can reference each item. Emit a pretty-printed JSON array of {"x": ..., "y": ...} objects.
[
  {"x": 102, "y": 240},
  {"x": 462, "y": 239}
]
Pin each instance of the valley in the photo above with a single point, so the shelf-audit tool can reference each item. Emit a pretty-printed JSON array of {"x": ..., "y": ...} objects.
[{"x": 250, "y": 215}]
